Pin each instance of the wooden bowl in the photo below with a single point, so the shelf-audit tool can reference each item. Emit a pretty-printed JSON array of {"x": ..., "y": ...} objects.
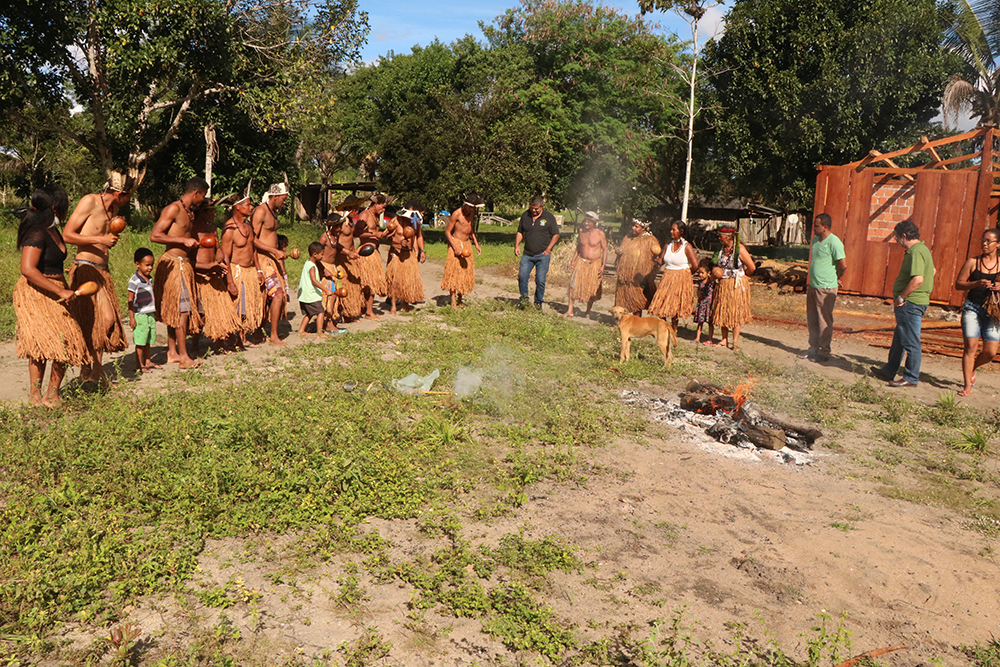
[
  {"x": 718, "y": 272},
  {"x": 208, "y": 241},
  {"x": 409, "y": 232},
  {"x": 466, "y": 252},
  {"x": 366, "y": 249},
  {"x": 117, "y": 225},
  {"x": 87, "y": 288},
  {"x": 294, "y": 253}
]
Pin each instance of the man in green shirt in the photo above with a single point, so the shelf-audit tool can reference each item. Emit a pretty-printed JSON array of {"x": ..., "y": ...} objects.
[
  {"x": 827, "y": 264},
  {"x": 911, "y": 295}
]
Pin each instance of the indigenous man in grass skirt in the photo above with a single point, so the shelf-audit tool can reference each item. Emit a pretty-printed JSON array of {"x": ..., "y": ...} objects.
[
  {"x": 370, "y": 271},
  {"x": 173, "y": 284},
  {"x": 270, "y": 257},
  {"x": 244, "y": 271},
  {"x": 460, "y": 266},
  {"x": 636, "y": 268},
  {"x": 213, "y": 282},
  {"x": 417, "y": 210},
  {"x": 731, "y": 303},
  {"x": 402, "y": 269},
  {"x": 587, "y": 269},
  {"x": 46, "y": 330},
  {"x": 99, "y": 317},
  {"x": 338, "y": 251}
]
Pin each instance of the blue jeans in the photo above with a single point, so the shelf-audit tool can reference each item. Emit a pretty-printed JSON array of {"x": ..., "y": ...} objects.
[
  {"x": 906, "y": 338},
  {"x": 541, "y": 265}
]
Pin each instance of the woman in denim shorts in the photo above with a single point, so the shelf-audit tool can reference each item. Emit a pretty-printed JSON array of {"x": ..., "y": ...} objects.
[{"x": 978, "y": 277}]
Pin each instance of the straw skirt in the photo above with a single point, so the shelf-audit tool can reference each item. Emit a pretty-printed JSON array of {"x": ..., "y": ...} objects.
[
  {"x": 731, "y": 302},
  {"x": 675, "y": 295},
  {"x": 459, "y": 272},
  {"x": 221, "y": 318},
  {"x": 586, "y": 283},
  {"x": 46, "y": 330},
  {"x": 99, "y": 316},
  {"x": 402, "y": 275}
]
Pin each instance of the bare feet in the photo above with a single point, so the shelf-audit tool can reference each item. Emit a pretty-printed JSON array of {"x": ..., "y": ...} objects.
[
  {"x": 965, "y": 392},
  {"x": 187, "y": 364},
  {"x": 568, "y": 313},
  {"x": 173, "y": 358},
  {"x": 52, "y": 402},
  {"x": 151, "y": 366},
  {"x": 721, "y": 343},
  {"x": 276, "y": 342},
  {"x": 372, "y": 316},
  {"x": 36, "y": 400}
]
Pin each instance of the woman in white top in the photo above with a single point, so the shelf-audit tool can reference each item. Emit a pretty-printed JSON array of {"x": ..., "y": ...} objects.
[{"x": 674, "y": 297}]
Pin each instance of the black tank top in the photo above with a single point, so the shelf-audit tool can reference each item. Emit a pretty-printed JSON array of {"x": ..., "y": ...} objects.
[{"x": 978, "y": 295}]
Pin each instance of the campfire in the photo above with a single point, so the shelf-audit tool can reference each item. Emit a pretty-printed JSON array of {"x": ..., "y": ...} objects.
[
  {"x": 737, "y": 419},
  {"x": 727, "y": 416}
]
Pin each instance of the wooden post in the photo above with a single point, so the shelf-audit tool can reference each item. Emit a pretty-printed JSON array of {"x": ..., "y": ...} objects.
[{"x": 984, "y": 187}]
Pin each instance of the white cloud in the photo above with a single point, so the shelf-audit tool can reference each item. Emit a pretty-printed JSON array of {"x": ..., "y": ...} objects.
[{"x": 712, "y": 24}]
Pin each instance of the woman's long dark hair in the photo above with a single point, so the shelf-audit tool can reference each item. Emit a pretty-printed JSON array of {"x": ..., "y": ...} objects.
[{"x": 39, "y": 216}]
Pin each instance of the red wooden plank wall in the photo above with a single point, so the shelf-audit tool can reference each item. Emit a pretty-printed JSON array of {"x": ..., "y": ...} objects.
[{"x": 943, "y": 208}]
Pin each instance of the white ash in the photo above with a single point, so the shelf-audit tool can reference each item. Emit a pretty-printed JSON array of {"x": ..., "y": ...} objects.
[{"x": 699, "y": 429}]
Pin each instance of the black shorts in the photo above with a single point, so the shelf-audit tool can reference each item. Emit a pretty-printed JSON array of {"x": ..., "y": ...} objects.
[{"x": 311, "y": 309}]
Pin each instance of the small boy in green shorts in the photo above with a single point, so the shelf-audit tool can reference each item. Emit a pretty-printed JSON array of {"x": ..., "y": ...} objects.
[{"x": 142, "y": 309}]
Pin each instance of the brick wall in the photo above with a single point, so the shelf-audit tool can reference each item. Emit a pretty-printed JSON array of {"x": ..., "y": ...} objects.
[{"x": 892, "y": 202}]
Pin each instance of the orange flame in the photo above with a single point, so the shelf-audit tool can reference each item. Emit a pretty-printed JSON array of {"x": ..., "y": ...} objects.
[{"x": 741, "y": 393}]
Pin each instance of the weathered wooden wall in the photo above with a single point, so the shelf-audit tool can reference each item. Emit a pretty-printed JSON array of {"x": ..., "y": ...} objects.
[{"x": 943, "y": 206}]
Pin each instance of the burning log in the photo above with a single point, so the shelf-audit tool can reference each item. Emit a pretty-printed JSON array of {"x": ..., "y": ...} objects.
[{"x": 739, "y": 420}]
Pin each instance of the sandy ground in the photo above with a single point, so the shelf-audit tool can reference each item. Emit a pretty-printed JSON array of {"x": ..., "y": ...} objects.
[{"x": 662, "y": 525}]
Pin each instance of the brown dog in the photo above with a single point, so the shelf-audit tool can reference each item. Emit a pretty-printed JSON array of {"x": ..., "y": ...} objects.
[{"x": 631, "y": 327}]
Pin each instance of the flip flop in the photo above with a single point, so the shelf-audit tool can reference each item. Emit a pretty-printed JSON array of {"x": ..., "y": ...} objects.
[
  {"x": 965, "y": 392},
  {"x": 973, "y": 382}
]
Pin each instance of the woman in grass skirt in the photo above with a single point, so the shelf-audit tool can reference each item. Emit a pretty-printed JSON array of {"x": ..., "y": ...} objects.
[
  {"x": 674, "y": 297},
  {"x": 731, "y": 301},
  {"x": 46, "y": 331},
  {"x": 636, "y": 269}
]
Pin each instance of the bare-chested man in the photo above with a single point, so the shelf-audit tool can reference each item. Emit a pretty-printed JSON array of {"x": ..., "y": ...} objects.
[
  {"x": 244, "y": 270},
  {"x": 460, "y": 266},
  {"x": 338, "y": 251},
  {"x": 370, "y": 268},
  {"x": 100, "y": 316},
  {"x": 214, "y": 284},
  {"x": 265, "y": 229},
  {"x": 173, "y": 285},
  {"x": 587, "y": 269}
]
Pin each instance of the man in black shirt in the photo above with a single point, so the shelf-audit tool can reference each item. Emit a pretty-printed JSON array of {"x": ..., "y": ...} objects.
[{"x": 539, "y": 231}]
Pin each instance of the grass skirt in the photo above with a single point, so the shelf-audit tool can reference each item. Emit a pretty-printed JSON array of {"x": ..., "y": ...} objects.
[
  {"x": 45, "y": 328},
  {"x": 371, "y": 274},
  {"x": 175, "y": 277},
  {"x": 274, "y": 282},
  {"x": 586, "y": 282},
  {"x": 351, "y": 306},
  {"x": 249, "y": 300},
  {"x": 99, "y": 316},
  {"x": 402, "y": 275},
  {"x": 459, "y": 272},
  {"x": 675, "y": 295},
  {"x": 636, "y": 271},
  {"x": 221, "y": 319},
  {"x": 731, "y": 302}
]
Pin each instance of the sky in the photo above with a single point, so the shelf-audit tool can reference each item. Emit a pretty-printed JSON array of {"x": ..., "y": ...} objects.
[{"x": 396, "y": 25}]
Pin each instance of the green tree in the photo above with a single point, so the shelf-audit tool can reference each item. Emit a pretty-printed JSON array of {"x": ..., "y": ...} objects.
[
  {"x": 591, "y": 83},
  {"x": 138, "y": 68},
  {"x": 806, "y": 82},
  {"x": 974, "y": 34},
  {"x": 691, "y": 11}
]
